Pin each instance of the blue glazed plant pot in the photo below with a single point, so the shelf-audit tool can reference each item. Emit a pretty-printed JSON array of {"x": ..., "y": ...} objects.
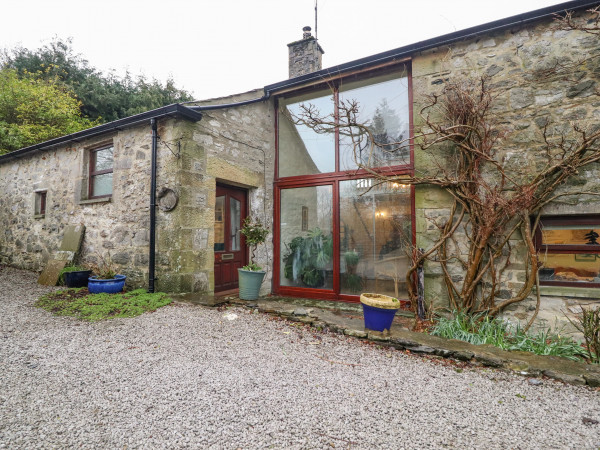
[
  {"x": 110, "y": 286},
  {"x": 379, "y": 311},
  {"x": 250, "y": 282}
]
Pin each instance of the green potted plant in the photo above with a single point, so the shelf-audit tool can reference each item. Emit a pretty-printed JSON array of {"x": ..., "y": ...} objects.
[
  {"x": 251, "y": 276},
  {"x": 106, "y": 279},
  {"x": 74, "y": 276},
  {"x": 308, "y": 257}
]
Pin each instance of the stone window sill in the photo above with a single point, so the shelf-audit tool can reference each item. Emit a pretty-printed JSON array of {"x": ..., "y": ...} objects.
[
  {"x": 95, "y": 200},
  {"x": 567, "y": 291},
  {"x": 39, "y": 216}
]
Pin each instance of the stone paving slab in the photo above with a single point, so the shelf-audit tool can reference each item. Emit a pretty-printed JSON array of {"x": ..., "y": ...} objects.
[
  {"x": 50, "y": 274},
  {"x": 72, "y": 238},
  {"x": 341, "y": 318}
]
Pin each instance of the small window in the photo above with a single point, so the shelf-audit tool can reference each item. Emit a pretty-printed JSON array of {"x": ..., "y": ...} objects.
[
  {"x": 40, "y": 203},
  {"x": 305, "y": 218},
  {"x": 101, "y": 172},
  {"x": 569, "y": 251}
]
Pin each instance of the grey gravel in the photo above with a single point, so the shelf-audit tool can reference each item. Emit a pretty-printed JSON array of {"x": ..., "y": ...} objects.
[{"x": 187, "y": 377}]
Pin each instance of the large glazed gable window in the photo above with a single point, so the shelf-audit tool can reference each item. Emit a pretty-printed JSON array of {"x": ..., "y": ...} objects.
[
  {"x": 383, "y": 103},
  {"x": 101, "y": 172},
  {"x": 339, "y": 230},
  {"x": 569, "y": 251}
]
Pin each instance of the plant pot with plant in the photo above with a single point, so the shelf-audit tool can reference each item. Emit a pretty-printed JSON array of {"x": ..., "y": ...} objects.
[
  {"x": 106, "y": 279},
  {"x": 74, "y": 276},
  {"x": 251, "y": 276},
  {"x": 379, "y": 310}
]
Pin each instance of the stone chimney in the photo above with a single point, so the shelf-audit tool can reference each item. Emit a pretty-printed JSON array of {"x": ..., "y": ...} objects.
[{"x": 305, "y": 55}]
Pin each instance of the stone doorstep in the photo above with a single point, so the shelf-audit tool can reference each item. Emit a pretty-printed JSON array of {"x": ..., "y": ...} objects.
[{"x": 523, "y": 363}]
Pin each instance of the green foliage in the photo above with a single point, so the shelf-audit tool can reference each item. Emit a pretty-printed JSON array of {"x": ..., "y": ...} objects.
[
  {"x": 480, "y": 329},
  {"x": 94, "y": 307},
  {"x": 68, "y": 269},
  {"x": 587, "y": 322},
  {"x": 35, "y": 108},
  {"x": 104, "y": 97},
  {"x": 351, "y": 258},
  {"x": 252, "y": 267},
  {"x": 352, "y": 282},
  {"x": 256, "y": 233},
  {"x": 307, "y": 257}
]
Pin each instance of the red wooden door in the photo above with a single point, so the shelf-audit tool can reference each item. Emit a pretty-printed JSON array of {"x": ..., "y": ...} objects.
[{"x": 230, "y": 246}]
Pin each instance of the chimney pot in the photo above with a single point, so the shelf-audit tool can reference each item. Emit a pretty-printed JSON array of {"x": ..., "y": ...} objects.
[{"x": 306, "y": 33}]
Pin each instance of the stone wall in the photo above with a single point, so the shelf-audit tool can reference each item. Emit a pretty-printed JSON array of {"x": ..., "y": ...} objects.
[
  {"x": 515, "y": 61},
  {"x": 233, "y": 146},
  {"x": 238, "y": 147},
  {"x": 117, "y": 227}
]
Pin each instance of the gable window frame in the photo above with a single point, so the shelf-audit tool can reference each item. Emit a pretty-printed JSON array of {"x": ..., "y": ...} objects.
[
  {"x": 93, "y": 172},
  {"x": 335, "y": 178},
  {"x": 581, "y": 250}
]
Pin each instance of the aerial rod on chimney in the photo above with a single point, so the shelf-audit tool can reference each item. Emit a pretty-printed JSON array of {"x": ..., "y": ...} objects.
[{"x": 316, "y": 34}]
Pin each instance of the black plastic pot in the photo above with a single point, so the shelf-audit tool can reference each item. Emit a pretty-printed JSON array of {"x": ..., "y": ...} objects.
[{"x": 77, "y": 279}]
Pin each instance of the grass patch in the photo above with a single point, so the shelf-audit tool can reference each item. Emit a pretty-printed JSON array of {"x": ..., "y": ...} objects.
[
  {"x": 480, "y": 330},
  {"x": 93, "y": 307}
]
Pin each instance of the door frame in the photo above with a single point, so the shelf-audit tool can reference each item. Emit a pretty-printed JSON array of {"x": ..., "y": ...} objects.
[{"x": 243, "y": 246}]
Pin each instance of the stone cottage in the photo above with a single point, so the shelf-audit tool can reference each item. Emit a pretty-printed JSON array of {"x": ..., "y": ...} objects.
[{"x": 165, "y": 192}]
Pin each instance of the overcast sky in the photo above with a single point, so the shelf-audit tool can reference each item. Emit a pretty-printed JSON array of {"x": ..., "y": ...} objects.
[{"x": 221, "y": 47}]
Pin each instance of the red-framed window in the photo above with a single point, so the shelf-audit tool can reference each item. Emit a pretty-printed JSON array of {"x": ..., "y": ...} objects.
[
  {"x": 338, "y": 231},
  {"x": 101, "y": 172},
  {"x": 569, "y": 248},
  {"x": 40, "y": 203}
]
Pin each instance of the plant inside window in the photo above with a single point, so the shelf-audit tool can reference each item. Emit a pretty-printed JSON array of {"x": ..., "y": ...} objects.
[
  {"x": 308, "y": 257},
  {"x": 101, "y": 172}
]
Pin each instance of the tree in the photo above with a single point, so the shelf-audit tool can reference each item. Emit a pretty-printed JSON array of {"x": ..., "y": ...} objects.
[
  {"x": 494, "y": 199},
  {"x": 103, "y": 97},
  {"x": 34, "y": 108}
]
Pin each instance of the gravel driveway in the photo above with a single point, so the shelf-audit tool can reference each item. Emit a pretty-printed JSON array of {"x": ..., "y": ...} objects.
[{"x": 186, "y": 376}]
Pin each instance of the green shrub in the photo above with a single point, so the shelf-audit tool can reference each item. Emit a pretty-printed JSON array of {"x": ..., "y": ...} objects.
[
  {"x": 94, "y": 307},
  {"x": 67, "y": 269},
  {"x": 587, "y": 322},
  {"x": 481, "y": 329}
]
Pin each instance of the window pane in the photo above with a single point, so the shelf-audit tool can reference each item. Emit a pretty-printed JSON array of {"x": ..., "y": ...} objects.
[
  {"x": 383, "y": 106},
  {"x": 307, "y": 256},
  {"x": 303, "y": 151},
  {"x": 103, "y": 159},
  {"x": 571, "y": 235},
  {"x": 235, "y": 219},
  {"x": 581, "y": 267},
  {"x": 102, "y": 184},
  {"x": 375, "y": 234},
  {"x": 40, "y": 203},
  {"x": 220, "y": 224}
]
